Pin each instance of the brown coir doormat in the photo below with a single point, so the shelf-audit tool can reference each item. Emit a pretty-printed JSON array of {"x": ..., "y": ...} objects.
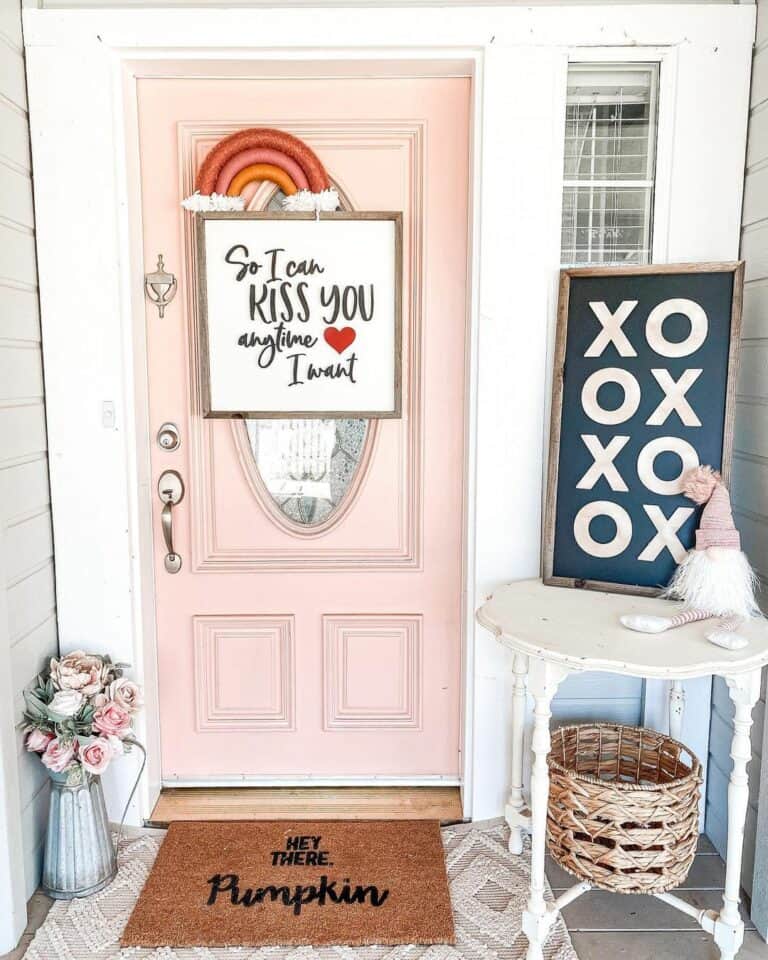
[{"x": 281, "y": 883}]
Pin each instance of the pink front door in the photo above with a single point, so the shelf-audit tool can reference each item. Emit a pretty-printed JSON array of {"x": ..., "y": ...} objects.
[{"x": 314, "y": 629}]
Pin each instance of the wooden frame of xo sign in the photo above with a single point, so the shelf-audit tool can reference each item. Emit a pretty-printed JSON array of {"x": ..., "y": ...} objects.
[
  {"x": 300, "y": 314},
  {"x": 644, "y": 388}
]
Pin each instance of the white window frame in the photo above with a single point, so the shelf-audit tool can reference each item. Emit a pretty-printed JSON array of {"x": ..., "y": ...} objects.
[
  {"x": 578, "y": 184},
  {"x": 667, "y": 58}
]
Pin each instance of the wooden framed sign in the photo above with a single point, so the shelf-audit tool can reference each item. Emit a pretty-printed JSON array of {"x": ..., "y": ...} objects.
[
  {"x": 644, "y": 383},
  {"x": 300, "y": 316}
]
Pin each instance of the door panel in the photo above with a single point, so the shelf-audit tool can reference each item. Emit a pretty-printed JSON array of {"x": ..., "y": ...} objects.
[{"x": 329, "y": 649}]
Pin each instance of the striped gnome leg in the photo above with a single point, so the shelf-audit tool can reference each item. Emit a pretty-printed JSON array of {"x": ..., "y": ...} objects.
[{"x": 644, "y": 623}]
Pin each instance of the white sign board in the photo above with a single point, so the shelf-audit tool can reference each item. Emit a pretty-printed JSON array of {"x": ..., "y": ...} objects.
[{"x": 300, "y": 317}]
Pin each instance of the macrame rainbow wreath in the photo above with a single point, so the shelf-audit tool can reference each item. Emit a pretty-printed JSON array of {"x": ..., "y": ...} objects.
[{"x": 258, "y": 154}]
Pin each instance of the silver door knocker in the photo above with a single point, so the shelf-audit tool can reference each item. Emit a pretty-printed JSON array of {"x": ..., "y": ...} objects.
[{"x": 160, "y": 286}]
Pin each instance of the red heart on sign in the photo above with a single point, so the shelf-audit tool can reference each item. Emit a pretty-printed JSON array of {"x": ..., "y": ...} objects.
[{"x": 339, "y": 337}]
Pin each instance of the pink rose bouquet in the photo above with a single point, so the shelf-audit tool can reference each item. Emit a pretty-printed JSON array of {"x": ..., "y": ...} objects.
[{"x": 79, "y": 715}]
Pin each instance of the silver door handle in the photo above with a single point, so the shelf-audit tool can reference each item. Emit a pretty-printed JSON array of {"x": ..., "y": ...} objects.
[{"x": 170, "y": 489}]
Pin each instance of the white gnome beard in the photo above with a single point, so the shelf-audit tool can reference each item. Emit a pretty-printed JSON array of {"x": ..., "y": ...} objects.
[{"x": 719, "y": 581}]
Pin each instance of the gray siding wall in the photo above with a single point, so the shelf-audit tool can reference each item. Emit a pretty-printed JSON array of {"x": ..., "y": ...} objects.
[
  {"x": 26, "y": 548},
  {"x": 599, "y": 696},
  {"x": 749, "y": 487}
]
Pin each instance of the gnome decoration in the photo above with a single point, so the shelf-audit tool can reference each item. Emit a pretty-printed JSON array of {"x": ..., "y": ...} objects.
[{"x": 715, "y": 578}]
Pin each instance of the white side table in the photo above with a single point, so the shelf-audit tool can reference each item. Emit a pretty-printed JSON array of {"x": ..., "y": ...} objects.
[{"x": 554, "y": 631}]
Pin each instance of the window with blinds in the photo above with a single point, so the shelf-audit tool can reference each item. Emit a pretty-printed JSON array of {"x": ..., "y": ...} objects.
[{"x": 610, "y": 160}]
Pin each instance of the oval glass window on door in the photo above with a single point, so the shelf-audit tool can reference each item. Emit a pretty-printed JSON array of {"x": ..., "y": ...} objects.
[{"x": 305, "y": 470}]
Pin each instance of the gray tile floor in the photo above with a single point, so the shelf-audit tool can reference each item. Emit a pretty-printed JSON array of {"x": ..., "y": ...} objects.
[
  {"x": 603, "y": 926},
  {"x": 607, "y": 926}
]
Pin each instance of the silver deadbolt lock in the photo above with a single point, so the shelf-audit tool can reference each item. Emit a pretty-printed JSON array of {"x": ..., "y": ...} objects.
[
  {"x": 168, "y": 437},
  {"x": 170, "y": 489}
]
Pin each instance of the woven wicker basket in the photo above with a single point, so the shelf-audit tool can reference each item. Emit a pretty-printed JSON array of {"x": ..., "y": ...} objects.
[{"x": 623, "y": 807}]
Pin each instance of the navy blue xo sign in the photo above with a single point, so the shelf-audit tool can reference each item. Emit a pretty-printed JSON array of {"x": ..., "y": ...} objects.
[{"x": 644, "y": 384}]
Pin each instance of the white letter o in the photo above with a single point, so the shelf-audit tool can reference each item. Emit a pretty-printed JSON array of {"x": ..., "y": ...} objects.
[
  {"x": 651, "y": 450},
  {"x": 584, "y": 538},
  {"x": 654, "y": 332},
  {"x": 628, "y": 406}
]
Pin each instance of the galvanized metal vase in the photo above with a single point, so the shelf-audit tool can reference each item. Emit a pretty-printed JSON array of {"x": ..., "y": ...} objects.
[{"x": 79, "y": 855}]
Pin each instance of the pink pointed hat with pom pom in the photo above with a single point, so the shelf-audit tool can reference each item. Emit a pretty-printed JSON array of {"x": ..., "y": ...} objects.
[{"x": 716, "y": 527}]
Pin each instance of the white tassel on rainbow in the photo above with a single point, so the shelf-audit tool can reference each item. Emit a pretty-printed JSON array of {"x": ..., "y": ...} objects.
[
  {"x": 202, "y": 203},
  {"x": 304, "y": 201}
]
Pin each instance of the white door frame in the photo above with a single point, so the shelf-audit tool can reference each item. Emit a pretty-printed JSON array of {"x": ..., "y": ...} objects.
[{"x": 92, "y": 297}]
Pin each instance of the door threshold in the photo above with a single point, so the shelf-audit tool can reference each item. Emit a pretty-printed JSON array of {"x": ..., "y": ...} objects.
[{"x": 306, "y": 803}]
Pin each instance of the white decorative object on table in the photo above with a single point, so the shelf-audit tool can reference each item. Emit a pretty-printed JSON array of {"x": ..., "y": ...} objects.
[
  {"x": 555, "y": 631},
  {"x": 714, "y": 579}
]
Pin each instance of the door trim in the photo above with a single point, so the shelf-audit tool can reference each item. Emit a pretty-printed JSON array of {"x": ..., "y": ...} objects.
[{"x": 91, "y": 288}]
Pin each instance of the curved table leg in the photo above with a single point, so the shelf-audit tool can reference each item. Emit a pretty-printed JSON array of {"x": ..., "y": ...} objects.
[
  {"x": 516, "y": 812},
  {"x": 543, "y": 681},
  {"x": 676, "y": 709},
  {"x": 729, "y": 927}
]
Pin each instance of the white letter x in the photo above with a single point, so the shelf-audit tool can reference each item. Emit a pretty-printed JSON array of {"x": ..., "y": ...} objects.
[
  {"x": 674, "y": 398},
  {"x": 603, "y": 465},
  {"x": 611, "y": 332},
  {"x": 666, "y": 535}
]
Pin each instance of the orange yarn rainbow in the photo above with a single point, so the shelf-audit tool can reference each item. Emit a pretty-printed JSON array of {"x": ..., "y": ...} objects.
[{"x": 259, "y": 154}]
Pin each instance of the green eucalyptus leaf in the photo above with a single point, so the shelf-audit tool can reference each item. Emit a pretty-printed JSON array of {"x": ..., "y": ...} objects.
[
  {"x": 34, "y": 703},
  {"x": 34, "y": 713}
]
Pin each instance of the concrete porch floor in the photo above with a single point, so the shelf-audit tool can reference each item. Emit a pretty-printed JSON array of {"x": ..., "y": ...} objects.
[
  {"x": 603, "y": 926},
  {"x": 608, "y": 926}
]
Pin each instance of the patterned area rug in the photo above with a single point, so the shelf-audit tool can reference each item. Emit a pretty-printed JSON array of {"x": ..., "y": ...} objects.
[{"x": 489, "y": 888}]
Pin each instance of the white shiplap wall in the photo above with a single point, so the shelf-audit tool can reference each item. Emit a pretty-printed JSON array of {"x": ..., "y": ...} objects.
[
  {"x": 749, "y": 486},
  {"x": 26, "y": 549}
]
